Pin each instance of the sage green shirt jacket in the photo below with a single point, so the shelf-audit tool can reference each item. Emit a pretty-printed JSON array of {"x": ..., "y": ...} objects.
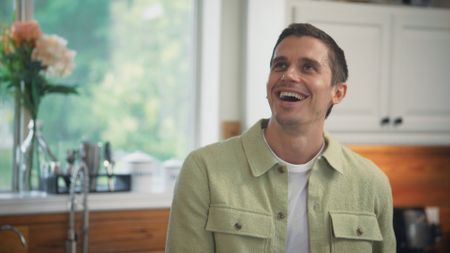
[{"x": 232, "y": 196}]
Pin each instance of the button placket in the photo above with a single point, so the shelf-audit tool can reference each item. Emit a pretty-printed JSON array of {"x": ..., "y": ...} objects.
[
  {"x": 281, "y": 215},
  {"x": 281, "y": 169}
]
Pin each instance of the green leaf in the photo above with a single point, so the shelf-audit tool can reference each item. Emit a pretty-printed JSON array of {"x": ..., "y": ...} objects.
[{"x": 64, "y": 89}]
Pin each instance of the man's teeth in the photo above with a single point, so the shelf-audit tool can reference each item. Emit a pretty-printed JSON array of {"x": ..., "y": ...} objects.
[{"x": 291, "y": 96}]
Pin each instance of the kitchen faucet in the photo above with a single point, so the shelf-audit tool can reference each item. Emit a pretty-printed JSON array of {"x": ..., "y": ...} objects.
[
  {"x": 7, "y": 227},
  {"x": 81, "y": 171}
]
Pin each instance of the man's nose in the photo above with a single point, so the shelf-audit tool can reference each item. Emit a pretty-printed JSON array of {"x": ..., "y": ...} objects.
[{"x": 291, "y": 74}]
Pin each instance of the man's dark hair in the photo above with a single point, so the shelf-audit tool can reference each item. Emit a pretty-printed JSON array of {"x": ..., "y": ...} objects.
[{"x": 336, "y": 57}]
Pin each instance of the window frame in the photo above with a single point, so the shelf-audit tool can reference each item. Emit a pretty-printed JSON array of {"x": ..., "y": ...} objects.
[{"x": 207, "y": 76}]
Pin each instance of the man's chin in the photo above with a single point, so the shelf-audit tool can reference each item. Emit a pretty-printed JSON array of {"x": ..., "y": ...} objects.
[{"x": 289, "y": 122}]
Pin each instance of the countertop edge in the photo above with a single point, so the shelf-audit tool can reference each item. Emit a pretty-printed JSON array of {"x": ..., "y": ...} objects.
[{"x": 51, "y": 203}]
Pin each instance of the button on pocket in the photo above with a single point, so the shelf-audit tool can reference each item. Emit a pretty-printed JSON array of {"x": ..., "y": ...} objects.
[
  {"x": 359, "y": 231},
  {"x": 237, "y": 230},
  {"x": 354, "y": 231}
]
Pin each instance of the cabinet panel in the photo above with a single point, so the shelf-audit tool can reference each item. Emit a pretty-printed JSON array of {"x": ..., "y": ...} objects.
[
  {"x": 365, "y": 41},
  {"x": 132, "y": 231},
  {"x": 110, "y": 231},
  {"x": 421, "y": 76}
]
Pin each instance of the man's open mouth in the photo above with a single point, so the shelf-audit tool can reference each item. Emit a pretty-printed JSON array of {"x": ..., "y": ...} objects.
[{"x": 291, "y": 96}]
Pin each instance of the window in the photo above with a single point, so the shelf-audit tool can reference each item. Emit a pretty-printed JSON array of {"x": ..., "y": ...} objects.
[
  {"x": 6, "y": 113},
  {"x": 135, "y": 68}
]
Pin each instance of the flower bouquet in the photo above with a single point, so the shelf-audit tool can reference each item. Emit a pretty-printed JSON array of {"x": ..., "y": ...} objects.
[{"x": 27, "y": 58}]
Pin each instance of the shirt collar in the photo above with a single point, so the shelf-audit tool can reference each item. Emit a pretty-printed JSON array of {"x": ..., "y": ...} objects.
[
  {"x": 333, "y": 153},
  {"x": 259, "y": 156},
  {"x": 261, "y": 159}
]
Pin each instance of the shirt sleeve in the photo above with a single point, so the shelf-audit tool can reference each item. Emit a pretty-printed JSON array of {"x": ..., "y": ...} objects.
[
  {"x": 189, "y": 212},
  {"x": 384, "y": 210}
]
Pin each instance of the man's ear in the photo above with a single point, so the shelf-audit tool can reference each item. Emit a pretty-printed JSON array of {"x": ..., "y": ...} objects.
[{"x": 339, "y": 92}]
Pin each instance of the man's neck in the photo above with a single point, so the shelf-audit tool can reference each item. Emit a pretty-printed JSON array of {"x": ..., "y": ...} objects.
[{"x": 296, "y": 146}]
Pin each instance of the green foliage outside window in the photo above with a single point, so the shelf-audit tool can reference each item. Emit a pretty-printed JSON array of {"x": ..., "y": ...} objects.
[
  {"x": 6, "y": 112},
  {"x": 135, "y": 71},
  {"x": 135, "y": 75}
]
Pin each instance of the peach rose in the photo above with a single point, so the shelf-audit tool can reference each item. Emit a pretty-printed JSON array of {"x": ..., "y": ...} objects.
[
  {"x": 52, "y": 52},
  {"x": 27, "y": 31}
]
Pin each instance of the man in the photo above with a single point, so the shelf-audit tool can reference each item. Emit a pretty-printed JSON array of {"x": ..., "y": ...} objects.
[{"x": 285, "y": 185}]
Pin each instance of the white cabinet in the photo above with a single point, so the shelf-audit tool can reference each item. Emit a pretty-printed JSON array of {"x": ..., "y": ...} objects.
[
  {"x": 421, "y": 70},
  {"x": 399, "y": 70}
]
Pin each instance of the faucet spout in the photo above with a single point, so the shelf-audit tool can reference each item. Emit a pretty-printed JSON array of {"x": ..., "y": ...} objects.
[
  {"x": 12, "y": 228},
  {"x": 80, "y": 172}
]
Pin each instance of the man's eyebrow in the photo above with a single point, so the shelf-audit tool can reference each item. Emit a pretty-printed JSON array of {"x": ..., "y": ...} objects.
[
  {"x": 311, "y": 61},
  {"x": 279, "y": 58}
]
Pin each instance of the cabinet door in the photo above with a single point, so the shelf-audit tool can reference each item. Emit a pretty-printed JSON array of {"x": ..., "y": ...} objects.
[
  {"x": 421, "y": 70},
  {"x": 363, "y": 33}
]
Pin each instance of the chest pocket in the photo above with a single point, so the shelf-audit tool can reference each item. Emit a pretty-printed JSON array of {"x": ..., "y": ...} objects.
[
  {"x": 354, "y": 232},
  {"x": 236, "y": 230}
]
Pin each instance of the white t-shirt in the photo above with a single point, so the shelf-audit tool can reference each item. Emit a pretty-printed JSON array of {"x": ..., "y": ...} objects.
[{"x": 297, "y": 224}]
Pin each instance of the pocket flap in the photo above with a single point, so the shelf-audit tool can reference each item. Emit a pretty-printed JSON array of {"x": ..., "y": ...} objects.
[
  {"x": 240, "y": 222},
  {"x": 353, "y": 225}
]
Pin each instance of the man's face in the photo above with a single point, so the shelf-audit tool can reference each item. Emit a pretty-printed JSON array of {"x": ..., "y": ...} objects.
[{"x": 304, "y": 93}]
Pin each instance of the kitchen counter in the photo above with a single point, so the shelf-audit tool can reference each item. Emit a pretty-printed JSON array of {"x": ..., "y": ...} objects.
[{"x": 41, "y": 202}]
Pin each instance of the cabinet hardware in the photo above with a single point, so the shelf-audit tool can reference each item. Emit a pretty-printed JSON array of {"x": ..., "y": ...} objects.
[
  {"x": 385, "y": 121},
  {"x": 12, "y": 228},
  {"x": 398, "y": 121}
]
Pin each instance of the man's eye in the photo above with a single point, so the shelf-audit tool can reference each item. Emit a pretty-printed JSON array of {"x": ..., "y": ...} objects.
[
  {"x": 279, "y": 66},
  {"x": 307, "y": 67}
]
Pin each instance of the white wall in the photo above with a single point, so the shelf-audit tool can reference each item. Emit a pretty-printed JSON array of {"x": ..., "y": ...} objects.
[
  {"x": 265, "y": 20},
  {"x": 209, "y": 55},
  {"x": 237, "y": 41},
  {"x": 232, "y": 60}
]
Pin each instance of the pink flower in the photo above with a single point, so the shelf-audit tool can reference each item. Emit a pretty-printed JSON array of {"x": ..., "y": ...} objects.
[
  {"x": 26, "y": 54},
  {"x": 27, "y": 31},
  {"x": 52, "y": 52}
]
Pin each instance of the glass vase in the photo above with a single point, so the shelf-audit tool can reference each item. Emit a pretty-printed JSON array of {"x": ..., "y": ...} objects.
[{"x": 37, "y": 162}]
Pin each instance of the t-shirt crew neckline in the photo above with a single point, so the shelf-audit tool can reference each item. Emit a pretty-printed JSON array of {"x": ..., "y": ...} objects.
[{"x": 295, "y": 168}]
